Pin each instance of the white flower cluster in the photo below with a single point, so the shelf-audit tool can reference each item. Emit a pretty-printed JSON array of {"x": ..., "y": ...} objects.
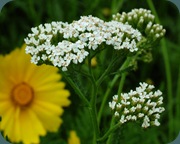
[
  {"x": 142, "y": 104},
  {"x": 62, "y": 44},
  {"x": 143, "y": 20}
]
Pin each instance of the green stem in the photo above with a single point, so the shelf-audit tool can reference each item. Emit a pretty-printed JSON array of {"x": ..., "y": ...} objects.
[
  {"x": 151, "y": 5},
  {"x": 112, "y": 129},
  {"x": 116, "y": 5},
  {"x": 168, "y": 73},
  {"x": 76, "y": 89},
  {"x": 169, "y": 87},
  {"x": 99, "y": 81},
  {"x": 93, "y": 113},
  {"x": 91, "y": 105},
  {"x": 104, "y": 101},
  {"x": 106, "y": 97},
  {"x": 121, "y": 84},
  {"x": 93, "y": 110},
  {"x": 93, "y": 116}
]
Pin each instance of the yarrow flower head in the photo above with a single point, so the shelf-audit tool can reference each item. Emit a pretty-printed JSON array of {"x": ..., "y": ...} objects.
[
  {"x": 31, "y": 98},
  {"x": 61, "y": 43},
  {"x": 142, "y": 104},
  {"x": 144, "y": 21}
]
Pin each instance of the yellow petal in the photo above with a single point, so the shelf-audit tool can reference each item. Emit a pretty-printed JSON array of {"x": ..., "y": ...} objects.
[
  {"x": 16, "y": 131},
  {"x": 48, "y": 114},
  {"x": 7, "y": 122},
  {"x": 57, "y": 97},
  {"x": 31, "y": 127},
  {"x": 5, "y": 106},
  {"x": 27, "y": 129},
  {"x": 47, "y": 74},
  {"x": 73, "y": 138}
]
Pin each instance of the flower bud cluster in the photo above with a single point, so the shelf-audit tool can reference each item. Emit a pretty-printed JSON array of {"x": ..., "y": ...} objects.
[
  {"x": 142, "y": 105},
  {"x": 143, "y": 20},
  {"x": 62, "y": 44}
]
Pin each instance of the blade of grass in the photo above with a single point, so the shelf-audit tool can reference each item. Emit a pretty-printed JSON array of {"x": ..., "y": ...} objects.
[
  {"x": 168, "y": 73},
  {"x": 116, "y": 5},
  {"x": 178, "y": 102}
]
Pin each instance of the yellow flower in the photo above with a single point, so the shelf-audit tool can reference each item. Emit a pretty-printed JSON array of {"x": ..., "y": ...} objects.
[
  {"x": 73, "y": 138},
  {"x": 93, "y": 62},
  {"x": 31, "y": 98}
]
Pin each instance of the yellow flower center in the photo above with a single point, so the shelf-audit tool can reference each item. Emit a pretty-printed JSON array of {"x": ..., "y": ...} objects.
[{"x": 22, "y": 94}]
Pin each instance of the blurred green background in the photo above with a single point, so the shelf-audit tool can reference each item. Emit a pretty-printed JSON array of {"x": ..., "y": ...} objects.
[{"x": 18, "y": 16}]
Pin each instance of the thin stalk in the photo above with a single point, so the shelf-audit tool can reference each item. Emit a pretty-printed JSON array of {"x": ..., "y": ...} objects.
[
  {"x": 112, "y": 129},
  {"x": 168, "y": 74},
  {"x": 93, "y": 116},
  {"x": 112, "y": 83},
  {"x": 169, "y": 88},
  {"x": 106, "y": 97},
  {"x": 121, "y": 84},
  {"x": 99, "y": 81},
  {"x": 76, "y": 89},
  {"x": 93, "y": 110}
]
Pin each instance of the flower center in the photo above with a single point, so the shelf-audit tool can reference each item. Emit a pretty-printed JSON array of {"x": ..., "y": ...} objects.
[{"x": 22, "y": 94}]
